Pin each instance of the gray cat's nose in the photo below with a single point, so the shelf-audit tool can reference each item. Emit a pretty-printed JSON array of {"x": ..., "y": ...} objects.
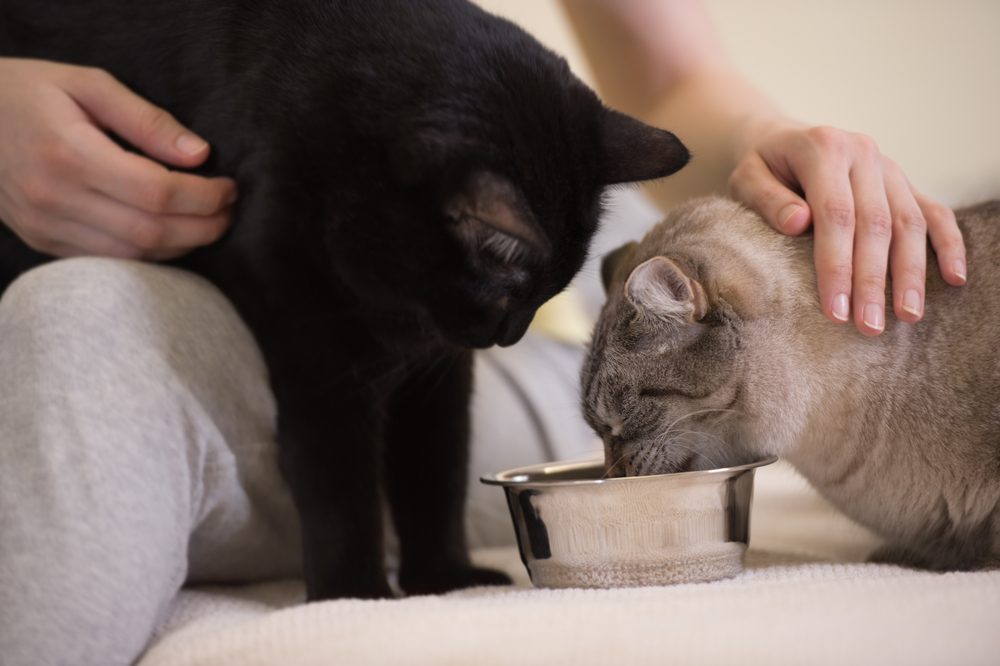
[
  {"x": 617, "y": 470},
  {"x": 615, "y": 461}
]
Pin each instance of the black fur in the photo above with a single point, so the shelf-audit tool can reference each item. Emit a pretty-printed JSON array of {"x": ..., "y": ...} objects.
[{"x": 416, "y": 178}]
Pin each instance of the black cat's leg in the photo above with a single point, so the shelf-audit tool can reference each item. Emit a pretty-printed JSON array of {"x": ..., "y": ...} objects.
[
  {"x": 329, "y": 416},
  {"x": 329, "y": 456},
  {"x": 426, "y": 468}
]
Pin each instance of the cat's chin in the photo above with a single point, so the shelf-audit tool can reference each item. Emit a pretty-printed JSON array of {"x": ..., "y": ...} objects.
[
  {"x": 471, "y": 339},
  {"x": 510, "y": 329},
  {"x": 513, "y": 328}
]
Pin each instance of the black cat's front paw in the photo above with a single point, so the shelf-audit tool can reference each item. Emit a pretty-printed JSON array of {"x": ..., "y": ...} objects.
[
  {"x": 439, "y": 582},
  {"x": 327, "y": 590}
]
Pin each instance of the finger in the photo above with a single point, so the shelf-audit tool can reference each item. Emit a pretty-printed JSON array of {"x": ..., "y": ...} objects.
[
  {"x": 872, "y": 237},
  {"x": 946, "y": 238},
  {"x": 138, "y": 229},
  {"x": 825, "y": 180},
  {"x": 755, "y": 185},
  {"x": 908, "y": 249},
  {"x": 144, "y": 125},
  {"x": 146, "y": 185},
  {"x": 69, "y": 238}
]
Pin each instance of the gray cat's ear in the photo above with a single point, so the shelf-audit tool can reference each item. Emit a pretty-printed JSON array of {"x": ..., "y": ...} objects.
[
  {"x": 612, "y": 260},
  {"x": 632, "y": 151},
  {"x": 490, "y": 212},
  {"x": 659, "y": 288}
]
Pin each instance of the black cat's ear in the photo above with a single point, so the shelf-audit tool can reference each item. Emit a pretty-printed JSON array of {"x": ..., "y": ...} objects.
[
  {"x": 660, "y": 289},
  {"x": 632, "y": 151},
  {"x": 612, "y": 260},
  {"x": 491, "y": 213}
]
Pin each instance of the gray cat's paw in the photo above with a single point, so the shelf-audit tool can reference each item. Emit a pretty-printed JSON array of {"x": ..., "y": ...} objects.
[
  {"x": 934, "y": 558},
  {"x": 893, "y": 554}
]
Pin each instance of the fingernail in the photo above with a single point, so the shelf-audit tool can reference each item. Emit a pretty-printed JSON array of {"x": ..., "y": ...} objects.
[
  {"x": 841, "y": 307},
  {"x": 911, "y": 301},
  {"x": 787, "y": 213},
  {"x": 190, "y": 144},
  {"x": 959, "y": 268},
  {"x": 874, "y": 317}
]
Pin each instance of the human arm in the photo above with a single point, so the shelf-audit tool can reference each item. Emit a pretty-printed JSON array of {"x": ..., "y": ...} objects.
[
  {"x": 67, "y": 189},
  {"x": 661, "y": 61}
]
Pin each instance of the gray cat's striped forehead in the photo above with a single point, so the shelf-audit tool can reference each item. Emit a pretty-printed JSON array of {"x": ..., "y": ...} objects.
[{"x": 632, "y": 357}]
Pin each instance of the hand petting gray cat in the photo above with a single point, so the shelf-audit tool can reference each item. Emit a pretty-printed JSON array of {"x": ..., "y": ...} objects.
[{"x": 712, "y": 350}]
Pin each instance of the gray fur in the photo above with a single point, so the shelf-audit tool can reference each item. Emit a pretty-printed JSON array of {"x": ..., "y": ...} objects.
[{"x": 900, "y": 431}]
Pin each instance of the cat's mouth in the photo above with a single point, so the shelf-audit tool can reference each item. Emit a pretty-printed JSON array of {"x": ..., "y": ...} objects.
[
  {"x": 513, "y": 327},
  {"x": 509, "y": 330},
  {"x": 688, "y": 464}
]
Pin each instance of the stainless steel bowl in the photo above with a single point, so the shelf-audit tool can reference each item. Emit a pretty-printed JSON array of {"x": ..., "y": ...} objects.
[{"x": 575, "y": 529}]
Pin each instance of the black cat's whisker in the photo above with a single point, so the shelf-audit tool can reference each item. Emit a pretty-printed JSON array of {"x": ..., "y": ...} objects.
[{"x": 390, "y": 365}]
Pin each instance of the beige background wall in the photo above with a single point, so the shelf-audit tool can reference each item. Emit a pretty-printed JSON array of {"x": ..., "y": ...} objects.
[{"x": 920, "y": 76}]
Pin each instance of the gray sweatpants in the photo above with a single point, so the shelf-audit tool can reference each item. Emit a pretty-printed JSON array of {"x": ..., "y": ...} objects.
[{"x": 137, "y": 453}]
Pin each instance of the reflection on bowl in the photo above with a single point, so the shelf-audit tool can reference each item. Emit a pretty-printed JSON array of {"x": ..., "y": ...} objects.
[{"x": 576, "y": 529}]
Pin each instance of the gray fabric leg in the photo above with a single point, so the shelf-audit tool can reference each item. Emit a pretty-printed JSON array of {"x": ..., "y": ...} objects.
[{"x": 136, "y": 452}]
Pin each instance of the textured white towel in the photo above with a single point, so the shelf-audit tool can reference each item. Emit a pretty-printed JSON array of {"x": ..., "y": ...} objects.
[{"x": 806, "y": 597}]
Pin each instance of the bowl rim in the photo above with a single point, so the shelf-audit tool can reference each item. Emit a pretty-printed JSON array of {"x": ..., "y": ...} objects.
[{"x": 507, "y": 478}]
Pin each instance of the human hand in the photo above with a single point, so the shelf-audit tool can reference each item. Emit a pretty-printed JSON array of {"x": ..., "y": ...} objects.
[
  {"x": 865, "y": 214},
  {"x": 67, "y": 189}
]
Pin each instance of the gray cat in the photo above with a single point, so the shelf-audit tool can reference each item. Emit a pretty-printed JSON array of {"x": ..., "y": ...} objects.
[{"x": 712, "y": 351}]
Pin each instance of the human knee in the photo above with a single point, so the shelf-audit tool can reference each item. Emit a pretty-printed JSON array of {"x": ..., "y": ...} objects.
[{"x": 61, "y": 289}]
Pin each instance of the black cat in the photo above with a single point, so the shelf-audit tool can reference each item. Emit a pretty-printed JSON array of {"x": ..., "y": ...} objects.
[{"x": 416, "y": 178}]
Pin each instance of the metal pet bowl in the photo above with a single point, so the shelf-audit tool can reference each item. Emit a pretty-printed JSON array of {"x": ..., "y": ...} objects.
[{"x": 575, "y": 529}]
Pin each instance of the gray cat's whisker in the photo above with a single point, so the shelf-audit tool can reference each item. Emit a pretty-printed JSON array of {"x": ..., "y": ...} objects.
[
  {"x": 700, "y": 411},
  {"x": 709, "y": 435},
  {"x": 645, "y": 461},
  {"x": 608, "y": 470}
]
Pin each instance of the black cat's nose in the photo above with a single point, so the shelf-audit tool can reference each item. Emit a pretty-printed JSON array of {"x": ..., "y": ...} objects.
[{"x": 513, "y": 327}]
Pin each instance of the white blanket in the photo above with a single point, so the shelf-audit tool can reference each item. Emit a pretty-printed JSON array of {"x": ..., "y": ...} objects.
[{"x": 806, "y": 597}]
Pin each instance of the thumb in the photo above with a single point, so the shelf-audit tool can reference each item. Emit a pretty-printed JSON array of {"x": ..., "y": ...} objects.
[
  {"x": 147, "y": 127},
  {"x": 754, "y": 184}
]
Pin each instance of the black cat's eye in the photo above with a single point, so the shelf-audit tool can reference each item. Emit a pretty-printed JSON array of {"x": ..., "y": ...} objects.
[
  {"x": 504, "y": 247},
  {"x": 482, "y": 240}
]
